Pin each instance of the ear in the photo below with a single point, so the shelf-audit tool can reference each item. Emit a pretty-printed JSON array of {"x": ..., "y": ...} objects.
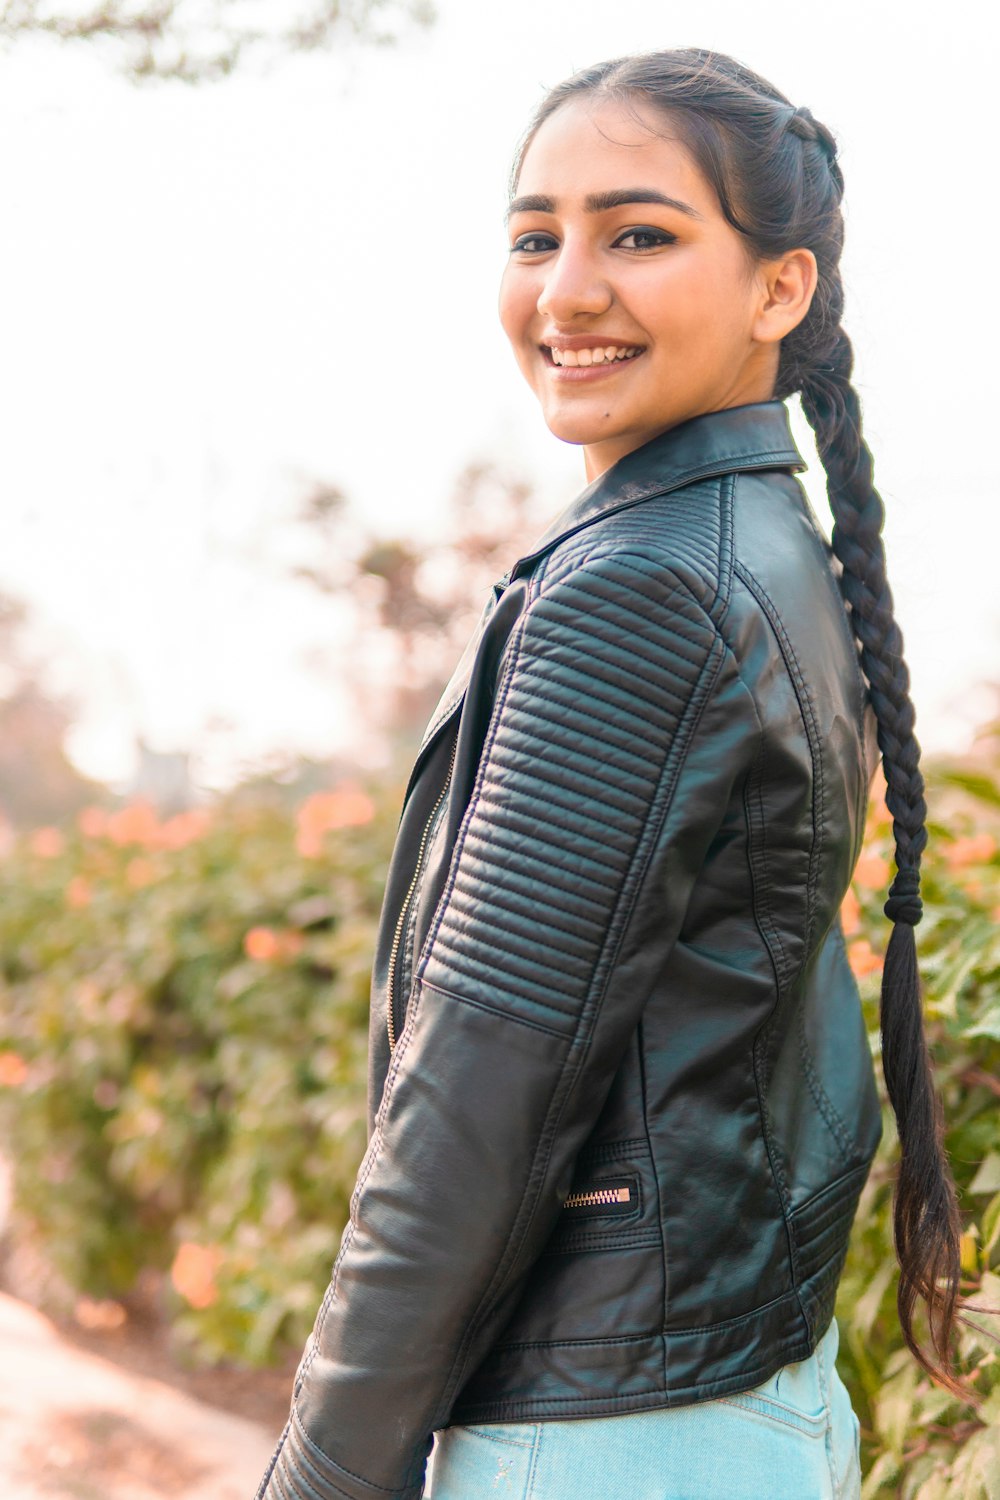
[{"x": 787, "y": 288}]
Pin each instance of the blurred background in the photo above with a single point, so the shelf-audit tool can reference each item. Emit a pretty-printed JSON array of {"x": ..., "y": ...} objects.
[{"x": 264, "y": 452}]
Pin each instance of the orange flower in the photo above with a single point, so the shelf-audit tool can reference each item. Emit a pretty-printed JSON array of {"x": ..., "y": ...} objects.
[
  {"x": 261, "y": 944},
  {"x": 47, "y": 843},
  {"x": 78, "y": 893},
  {"x": 92, "y": 822},
  {"x": 193, "y": 1273},
  {"x": 863, "y": 959},
  {"x": 850, "y": 913},
  {"x": 347, "y": 806},
  {"x": 871, "y": 873},
  {"x": 13, "y": 1070},
  {"x": 139, "y": 872},
  {"x": 184, "y": 828},
  {"x": 265, "y": 945},
  {"x": 134, "y": 824},
  {"x": 970, "y": 851},
  {"x": 104, "y": 1314}
]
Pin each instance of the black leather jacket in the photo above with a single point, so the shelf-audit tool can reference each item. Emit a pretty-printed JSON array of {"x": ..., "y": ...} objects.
[{"x": 625, "y": 1101}]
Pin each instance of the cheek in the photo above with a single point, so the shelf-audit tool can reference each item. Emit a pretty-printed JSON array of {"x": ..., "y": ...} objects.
[
  {"x": 517, "y": 306},
  {"x": 697, "y": 305}
]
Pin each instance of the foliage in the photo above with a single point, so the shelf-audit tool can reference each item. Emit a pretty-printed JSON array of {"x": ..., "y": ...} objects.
[
  {"x": 184, "y": 1035},
  {"x": 918, "y": 1442},
  {"x": 191, "y": 41},
  {"x": 183, "y": 1042}
]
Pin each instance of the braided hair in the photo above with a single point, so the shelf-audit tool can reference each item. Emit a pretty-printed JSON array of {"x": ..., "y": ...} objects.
[{"x": 775, "y": 171}]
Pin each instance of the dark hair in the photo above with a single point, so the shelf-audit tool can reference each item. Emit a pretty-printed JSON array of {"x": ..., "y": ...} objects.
[{"x": 774, "y": 169}]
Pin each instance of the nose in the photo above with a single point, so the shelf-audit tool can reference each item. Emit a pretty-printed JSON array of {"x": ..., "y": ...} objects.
[{"x": 573, "y": 286}]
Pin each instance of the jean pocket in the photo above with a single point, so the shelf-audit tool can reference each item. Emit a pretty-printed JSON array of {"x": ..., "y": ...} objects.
[
  {"x": 468, "y": 1463},
  {"x": 795, "y": 1396},
  {"x": 812, "y": 1423}
]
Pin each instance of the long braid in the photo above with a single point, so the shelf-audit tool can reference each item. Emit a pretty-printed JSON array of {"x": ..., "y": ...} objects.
[{"x": 925, "y": 1210}]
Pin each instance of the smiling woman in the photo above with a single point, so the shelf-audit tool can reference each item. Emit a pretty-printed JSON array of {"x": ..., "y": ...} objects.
[
  {"x": 621, "y": 1097},
  {"x": 692, "y": 319}
]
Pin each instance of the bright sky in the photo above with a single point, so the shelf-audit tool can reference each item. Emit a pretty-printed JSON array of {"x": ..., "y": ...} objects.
[{"x": 215, "y": 296}]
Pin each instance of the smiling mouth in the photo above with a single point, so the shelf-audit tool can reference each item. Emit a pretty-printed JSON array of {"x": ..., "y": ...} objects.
[{"x": 608, "y": 354}]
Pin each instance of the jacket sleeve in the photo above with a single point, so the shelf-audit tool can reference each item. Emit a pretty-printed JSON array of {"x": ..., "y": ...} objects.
[{"x": 567, "y": 887}]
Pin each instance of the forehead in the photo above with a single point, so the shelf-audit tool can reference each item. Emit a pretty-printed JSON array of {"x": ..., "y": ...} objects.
[{"x": 590, "y": 145}]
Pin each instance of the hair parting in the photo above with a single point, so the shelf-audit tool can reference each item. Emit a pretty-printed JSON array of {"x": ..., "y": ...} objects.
[{"x": 775, "y": 171}]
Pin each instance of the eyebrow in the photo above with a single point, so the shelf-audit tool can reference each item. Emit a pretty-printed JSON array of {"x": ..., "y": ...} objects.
[{"x": 599, "y": 203}]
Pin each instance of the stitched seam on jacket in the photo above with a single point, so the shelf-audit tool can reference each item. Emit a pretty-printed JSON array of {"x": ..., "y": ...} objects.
[
  {"x": 829, "y": 557},
  {"x": 727, "y": 544},
  {"x": 839, "y": 1185},
  {"x": 303, "y": 1483},
  {"x": 325, "y": 1458},
  {"x": 808, "y": 713},
  {"x": 609, "y": 1240},
  {"x": 492, "y": 1010},
  {"x": 777, "y": 1170},
  {"x": 671, "y": 539},
  {"x": 821, "y": 1098},
  {"x": 664, "y": 1265},
  {"x": 603, "y": 1151}
]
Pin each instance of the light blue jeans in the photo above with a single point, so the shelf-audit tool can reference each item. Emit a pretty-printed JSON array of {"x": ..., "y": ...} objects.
[{"x": 795, "y": 1437}]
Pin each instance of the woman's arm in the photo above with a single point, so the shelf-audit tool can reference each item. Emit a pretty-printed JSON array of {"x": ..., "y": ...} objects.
[{"x": 568, "y": 885}]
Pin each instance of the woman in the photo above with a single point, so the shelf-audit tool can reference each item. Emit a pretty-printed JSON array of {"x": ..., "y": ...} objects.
[{"x": 625, "y": 1104}]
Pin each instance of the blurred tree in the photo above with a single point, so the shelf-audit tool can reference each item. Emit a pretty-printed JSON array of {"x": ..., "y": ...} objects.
[
  {"x": 413, "y": 605},
  {"x": 202, "y": 41},
  {"x": 38, "y": 783}
]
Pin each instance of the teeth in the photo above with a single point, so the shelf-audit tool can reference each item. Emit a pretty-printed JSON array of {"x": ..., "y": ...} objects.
[{"x": 571, "y": 358}]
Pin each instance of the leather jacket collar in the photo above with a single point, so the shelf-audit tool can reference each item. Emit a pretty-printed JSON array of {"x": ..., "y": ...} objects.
[{"x": 737, "y": 439}]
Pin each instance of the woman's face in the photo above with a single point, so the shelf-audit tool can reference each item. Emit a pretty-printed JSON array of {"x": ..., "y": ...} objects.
[{"x": 628, "y": 298}]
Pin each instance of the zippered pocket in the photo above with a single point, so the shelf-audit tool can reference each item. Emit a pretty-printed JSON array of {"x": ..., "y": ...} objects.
[{"x": 609, "y": 1197}]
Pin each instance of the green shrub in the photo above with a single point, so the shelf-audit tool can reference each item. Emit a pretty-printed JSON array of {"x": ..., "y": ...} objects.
[
  {"x": 183, "y": 1043},
  {"x": 184, "y": 1024},
  {"x": 919, "y": 1443}
]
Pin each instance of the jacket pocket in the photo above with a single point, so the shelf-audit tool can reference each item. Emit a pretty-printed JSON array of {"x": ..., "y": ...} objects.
[
  {"x": 611, "y": 1200},
  {"x": 609, "y": 1197}
]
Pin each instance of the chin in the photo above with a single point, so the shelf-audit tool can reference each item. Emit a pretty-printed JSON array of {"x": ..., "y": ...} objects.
[{"x": 581, "y": 430}]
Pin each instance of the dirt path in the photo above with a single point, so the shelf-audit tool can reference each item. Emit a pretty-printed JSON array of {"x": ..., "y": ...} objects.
[{"x": 74, "y": 1426}]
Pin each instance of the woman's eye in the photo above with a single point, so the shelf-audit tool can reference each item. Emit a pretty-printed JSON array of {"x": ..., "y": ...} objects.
[
  {"x": 645, "y": 239},
  {"x": 534, "y": 244}
]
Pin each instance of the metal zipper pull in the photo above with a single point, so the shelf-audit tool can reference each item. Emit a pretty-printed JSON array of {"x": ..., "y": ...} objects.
[
  {"x": 390, "y": 1019},
  {"x": 619, "y": 1195},
  {"x": 599, "y": 1195}
]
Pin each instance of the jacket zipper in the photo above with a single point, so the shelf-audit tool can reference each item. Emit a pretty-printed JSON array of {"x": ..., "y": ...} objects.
[
  {"x": 390, "y": 1019},
  {"x": 599, "y": 1197}
]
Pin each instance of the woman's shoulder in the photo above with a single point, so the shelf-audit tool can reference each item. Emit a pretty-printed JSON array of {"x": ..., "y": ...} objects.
[{"x": 681, "y": 540}]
